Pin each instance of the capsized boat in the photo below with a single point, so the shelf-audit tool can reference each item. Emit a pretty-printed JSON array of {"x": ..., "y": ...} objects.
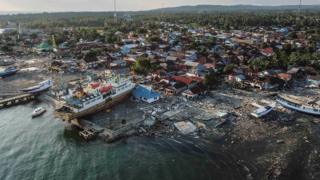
[
  {"x": 298, "y": 104},
  {"x": 42, "y": 86},
  {"x": 38, "y": 112},
  {"x": 8, "y": 71}
]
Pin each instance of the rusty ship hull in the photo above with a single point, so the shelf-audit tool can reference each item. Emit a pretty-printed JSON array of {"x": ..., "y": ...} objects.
[{"x": 108, "y": 103}]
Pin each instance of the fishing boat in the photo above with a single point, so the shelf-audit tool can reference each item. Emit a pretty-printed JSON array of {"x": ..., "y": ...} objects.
[
  {"x": 42, "y": 86},
  {"x": 93, "y": 97},
  {"x": 8, "y": 71},
  {"x": 258, "y": 113},
  {"x": 263, "y": 110},
  {"x": 38, "y": 112},
  {"x": 296, "y": 103}
]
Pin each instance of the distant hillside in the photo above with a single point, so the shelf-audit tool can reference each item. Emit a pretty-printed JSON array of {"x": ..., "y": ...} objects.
[
  {"x": 234, "y": 8},
  {"x": 180, "y": 9}
]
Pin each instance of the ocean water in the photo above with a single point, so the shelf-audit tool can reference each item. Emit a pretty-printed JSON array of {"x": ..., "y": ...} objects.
[{"x": 46, "y": 148}]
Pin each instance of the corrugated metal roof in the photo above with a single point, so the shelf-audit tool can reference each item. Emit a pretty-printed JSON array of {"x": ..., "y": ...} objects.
[{"x": 144, "y": 92}]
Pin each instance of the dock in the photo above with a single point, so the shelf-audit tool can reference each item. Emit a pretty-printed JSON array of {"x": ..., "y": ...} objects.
[
  {"x": 90, "y": 130},
  {"x": 16, "y": 100},
  {"x": 9, "y": 94}
]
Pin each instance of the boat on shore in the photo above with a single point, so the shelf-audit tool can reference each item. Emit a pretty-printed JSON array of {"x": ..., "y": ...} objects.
[
  {"x": 258, "y": 113},
  {"x": 93, "y": 97},
  {"x": 8, "y": 71},
  {"x": 38, "y": 112},
  {"x": 295, "y": 103},
  {"x": 42, "y": 86},
  {"x": 263, "y": 110}
]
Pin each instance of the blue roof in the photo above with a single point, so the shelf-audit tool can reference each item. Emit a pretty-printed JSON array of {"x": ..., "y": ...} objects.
[{"x": 144, "y": 92}]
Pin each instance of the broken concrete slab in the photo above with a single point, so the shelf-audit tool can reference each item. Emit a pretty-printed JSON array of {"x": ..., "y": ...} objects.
[{"x": 185, "y": 127}]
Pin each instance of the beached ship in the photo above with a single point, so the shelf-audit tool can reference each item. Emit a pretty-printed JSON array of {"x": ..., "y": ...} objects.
[
  {"x": 8, "y": 71},
  {"x": 93, "y": 97},
  {"x": 295, "y": 103},
  {"x": 42, "y": 86}
]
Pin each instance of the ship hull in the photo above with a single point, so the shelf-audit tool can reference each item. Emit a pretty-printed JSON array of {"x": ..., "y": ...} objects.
[
  {"x": 299, "y": 109},
  {"x": 108, "y": 103},
  {"x": 44, "y": 86},
  {"x": 7, "y": 74}
]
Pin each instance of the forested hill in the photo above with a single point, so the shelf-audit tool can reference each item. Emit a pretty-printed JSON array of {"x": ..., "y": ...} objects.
[
  {"x": 238, "y": 16},
  {"x": 235, "y": 8},
  {"x": 180, "y": 9}
]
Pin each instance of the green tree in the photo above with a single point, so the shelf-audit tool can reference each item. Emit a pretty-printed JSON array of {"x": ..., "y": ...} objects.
[
  {"x": 229, "y": 68},
  {"x": 142, "y": 66},
  {"x": 91, "y": 56},
  {"x": 154, "y": 38},
  {"x": 211, "y": 80},
  {"x": 7, "y": 48},
  {"x": 259, "y": 64}
]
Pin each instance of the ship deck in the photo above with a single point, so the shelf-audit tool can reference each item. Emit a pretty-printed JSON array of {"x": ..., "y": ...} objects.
[{"x": 299, "y": 101}]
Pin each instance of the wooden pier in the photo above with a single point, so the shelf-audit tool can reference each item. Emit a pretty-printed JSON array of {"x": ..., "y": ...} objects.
[
  {"x": 90, "y": 130},
  {"x": 16, "y": 100}
]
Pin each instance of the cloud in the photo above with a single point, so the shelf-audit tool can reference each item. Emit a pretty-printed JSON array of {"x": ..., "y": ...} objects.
[{"x": 6, "y": 6}]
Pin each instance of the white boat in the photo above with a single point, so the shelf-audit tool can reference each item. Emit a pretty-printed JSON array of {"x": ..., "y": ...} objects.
[
  {"x": 295, "y": 103},
  {"x": 262, "y": 111},
  {"x": 42, "y": 86},
  {"x": 38, "y": 112}
]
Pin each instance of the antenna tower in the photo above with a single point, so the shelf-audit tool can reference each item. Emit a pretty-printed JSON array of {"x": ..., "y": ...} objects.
[{"x": 115, "y": 10}]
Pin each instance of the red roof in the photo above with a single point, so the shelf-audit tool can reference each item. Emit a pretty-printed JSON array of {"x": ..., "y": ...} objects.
[
  {"x": 267, "y": 51},
  {"x": 284, "y": 76},
  {"x": 186, "y": 79}
]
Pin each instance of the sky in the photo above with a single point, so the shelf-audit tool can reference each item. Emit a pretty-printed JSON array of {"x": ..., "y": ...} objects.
[{"x": 125, "y": 5}]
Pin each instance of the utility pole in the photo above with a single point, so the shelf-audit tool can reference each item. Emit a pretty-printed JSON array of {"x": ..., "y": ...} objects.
[
  {"x": 300, "y": 6},
  {"x": 19, "y": 30},
  {"x": 161, "y": 16},
  {"x": 115, "y": 10}
]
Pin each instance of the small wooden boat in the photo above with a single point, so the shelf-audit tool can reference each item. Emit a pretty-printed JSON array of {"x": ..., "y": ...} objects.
[
  {"x": 258, "y": 113},
  {"x": 38, "y": 112},
  {"x": 8, "y": 71},
  {"x": 263, "y": 110}
]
